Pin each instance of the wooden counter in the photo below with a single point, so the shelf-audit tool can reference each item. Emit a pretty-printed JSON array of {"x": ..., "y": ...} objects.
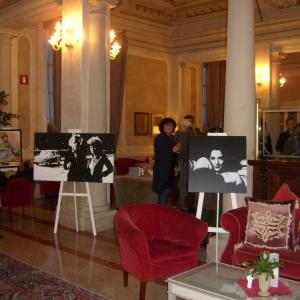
[{"x": 269, "y": 175}]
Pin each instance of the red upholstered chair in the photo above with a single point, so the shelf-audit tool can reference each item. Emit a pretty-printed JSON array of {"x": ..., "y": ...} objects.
[
  {"x": 49, "y": 189},
  {"x": 17, "y": 192},
  {"x": 157, "y": 241}
]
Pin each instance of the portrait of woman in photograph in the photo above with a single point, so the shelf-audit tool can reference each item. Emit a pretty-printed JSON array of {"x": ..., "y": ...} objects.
[
  {"x": 219, "y": 167},
  {"x": 97, "y": 163}
]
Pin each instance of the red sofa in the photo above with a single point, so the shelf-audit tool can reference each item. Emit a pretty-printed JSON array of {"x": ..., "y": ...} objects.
[
  {"x": 235, "y": 221},
  {"x": 157, "y": 241}
]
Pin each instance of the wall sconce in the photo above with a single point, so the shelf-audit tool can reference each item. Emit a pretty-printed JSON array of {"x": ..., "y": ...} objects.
[
  {"x": 114, "y": 45},
  {"x": 65, "y": 34},
  {"x": 262, "y": 76},
  {"x": 155, "y": 130},
  {"x": 282, "y": 81}
]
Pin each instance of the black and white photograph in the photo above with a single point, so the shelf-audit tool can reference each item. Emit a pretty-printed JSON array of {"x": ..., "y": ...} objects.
[
  {"x": 217, "y": 164},
  {"x": 79, "y": 157}
]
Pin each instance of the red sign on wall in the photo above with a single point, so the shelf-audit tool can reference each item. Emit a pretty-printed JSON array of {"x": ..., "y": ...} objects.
[{"x": 23, "y": 79}]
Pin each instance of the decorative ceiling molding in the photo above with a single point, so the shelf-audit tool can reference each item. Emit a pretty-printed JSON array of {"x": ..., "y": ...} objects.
[{"x": 25, "y": 13}]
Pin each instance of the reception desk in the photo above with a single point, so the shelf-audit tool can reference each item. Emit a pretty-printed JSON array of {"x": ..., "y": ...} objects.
[
  {"x": 269, "y": 175},
  {"x": 133, "y": 190}
]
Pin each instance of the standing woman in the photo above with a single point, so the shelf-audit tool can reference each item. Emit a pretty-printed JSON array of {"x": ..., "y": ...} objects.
[{"x": 165, "y": 160}]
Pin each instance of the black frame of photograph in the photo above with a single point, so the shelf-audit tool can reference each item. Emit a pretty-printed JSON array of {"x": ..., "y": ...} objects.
[{"x": 20, "y": 141}]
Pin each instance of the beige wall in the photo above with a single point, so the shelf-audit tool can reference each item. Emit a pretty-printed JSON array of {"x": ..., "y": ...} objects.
[
  {"x": 23, "y": 91},
  {"x": 146, "y": 90},
  {"x": 290, "y": 92}
]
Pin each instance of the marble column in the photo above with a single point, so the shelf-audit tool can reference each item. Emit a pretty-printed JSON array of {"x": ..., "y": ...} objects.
[
  {"x": 240, "y": 104},
  {"x": 5, "y": 62},
  {"x": 85, "y": 96}
]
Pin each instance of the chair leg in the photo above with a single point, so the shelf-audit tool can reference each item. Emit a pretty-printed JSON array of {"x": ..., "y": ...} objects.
[
  {"x": 143, "y": 290},
  {"x": 125, "y": 278}
]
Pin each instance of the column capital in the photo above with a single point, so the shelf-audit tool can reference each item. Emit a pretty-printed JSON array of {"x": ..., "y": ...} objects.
[{"x": 100, "y": 3}]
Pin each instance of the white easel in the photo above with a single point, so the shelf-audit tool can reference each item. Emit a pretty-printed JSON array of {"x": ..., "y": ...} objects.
[
  {"x": 216, "y": 229},
  {"x": 75, "y": 195}
]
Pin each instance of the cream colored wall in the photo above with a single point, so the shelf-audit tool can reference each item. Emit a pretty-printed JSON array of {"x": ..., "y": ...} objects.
[
  {"x": 290, "y": 92},
  {"x": 146, "y": 90},
  {"x": 24, "y": 91}
]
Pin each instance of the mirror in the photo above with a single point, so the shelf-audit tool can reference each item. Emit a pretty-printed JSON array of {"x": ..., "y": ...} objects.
[{"x": 278, "y": 138}]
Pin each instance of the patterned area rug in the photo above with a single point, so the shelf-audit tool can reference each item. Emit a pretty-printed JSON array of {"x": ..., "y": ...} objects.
[{"x": 19, "y": 281}]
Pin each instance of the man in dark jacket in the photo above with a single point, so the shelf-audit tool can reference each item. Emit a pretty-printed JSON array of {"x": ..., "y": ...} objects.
[{"x": 290, "y": 125}]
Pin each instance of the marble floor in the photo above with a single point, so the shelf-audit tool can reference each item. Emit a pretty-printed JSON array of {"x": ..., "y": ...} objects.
[{"x": 92, "y": 263}]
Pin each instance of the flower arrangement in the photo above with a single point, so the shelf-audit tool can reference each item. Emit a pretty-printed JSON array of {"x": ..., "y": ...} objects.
[
  {"x": 5, "y": 117},
  {"x": 263, "y": 265}
]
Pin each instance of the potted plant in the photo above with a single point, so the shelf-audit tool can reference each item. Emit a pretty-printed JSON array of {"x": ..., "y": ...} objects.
[
  {"x": 264, "y": 268},
  {"x": 5, "y": 117}
]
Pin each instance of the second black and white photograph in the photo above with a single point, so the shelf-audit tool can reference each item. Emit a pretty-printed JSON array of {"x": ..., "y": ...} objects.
[
  {"x": 217, "y": 164},
  {"x": 85, "y": 157}
]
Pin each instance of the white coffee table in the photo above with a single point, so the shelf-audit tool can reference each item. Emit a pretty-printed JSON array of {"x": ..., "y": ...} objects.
[{"x": 217, "y": 281}]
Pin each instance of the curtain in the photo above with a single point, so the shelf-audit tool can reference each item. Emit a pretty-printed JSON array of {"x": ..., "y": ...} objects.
[
  {"x": 215, "y": 94},
  {"x": 117, "y": 81}
]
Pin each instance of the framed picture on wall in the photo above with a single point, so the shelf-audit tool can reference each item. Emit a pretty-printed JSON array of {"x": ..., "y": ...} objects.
[
  {"x": 141, "y": 123},
  {"x": 10, "y": 148},
  {"x": 155, "y": 120}
]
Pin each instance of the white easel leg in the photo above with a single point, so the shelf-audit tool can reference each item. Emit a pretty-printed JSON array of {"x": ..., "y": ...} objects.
[
  {"x": 91, "y": 208},
  {"x": 233, "y": 201},
  {"x": 200, "y": 205},
  {"x": 58, "y": 207},
  {"x": 217, "y": 226},
  {"x": 75, "y": 206}
]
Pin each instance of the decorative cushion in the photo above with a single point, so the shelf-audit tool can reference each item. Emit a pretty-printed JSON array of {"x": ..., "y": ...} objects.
[
  {"x": 284, "y": 194},
  {"x": 268, "y": 225}
]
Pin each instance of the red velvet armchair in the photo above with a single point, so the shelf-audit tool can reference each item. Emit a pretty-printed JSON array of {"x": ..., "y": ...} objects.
[
  {"x": 235, "y": 221},
  {"x": 49, "y": 189},
  {"x": 157, "y": 241},
  {"x": 18, "y": 192}
]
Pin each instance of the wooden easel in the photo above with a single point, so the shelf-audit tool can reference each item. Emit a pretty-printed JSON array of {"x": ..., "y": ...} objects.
[{"x": 75, "y": 195}]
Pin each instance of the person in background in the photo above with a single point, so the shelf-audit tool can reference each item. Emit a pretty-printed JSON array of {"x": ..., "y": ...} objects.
[
  {"x": 292, "y": 144},
  {"x": 165, "y": 169},
  {"x": 192, "y": 120},
  {"x": 290, "y": 125},
  {"x": 182, "y": 138}
]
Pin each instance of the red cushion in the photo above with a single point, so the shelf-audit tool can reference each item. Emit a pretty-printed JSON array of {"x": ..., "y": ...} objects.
[
  {"x": 284, "y": 194},
  {"x": 291, "y": 260},
  {"x": 165, "y": 249}
]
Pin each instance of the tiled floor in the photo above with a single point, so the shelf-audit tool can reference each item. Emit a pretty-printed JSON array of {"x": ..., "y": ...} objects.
[{"x": 89, "y": 262}]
